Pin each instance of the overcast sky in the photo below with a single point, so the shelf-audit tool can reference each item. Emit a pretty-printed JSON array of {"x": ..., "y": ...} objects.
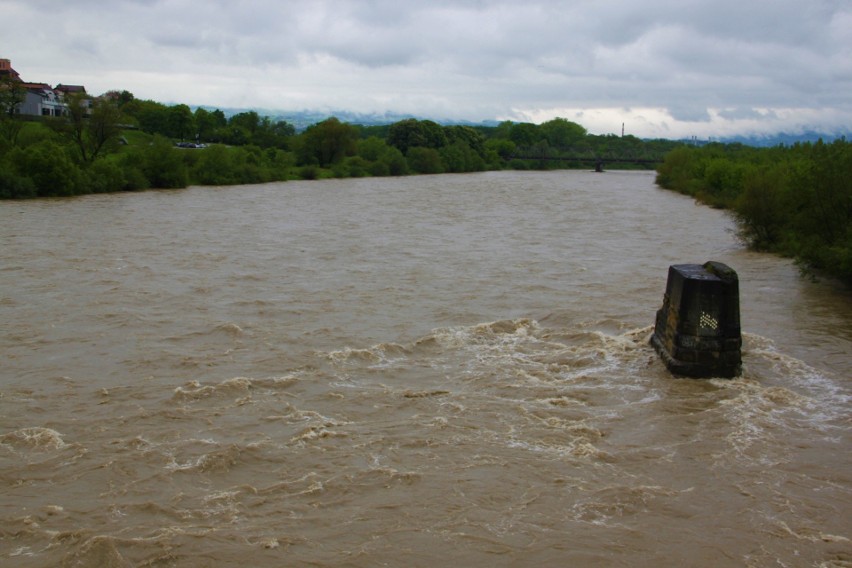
[{"x": 665, "y": 68}]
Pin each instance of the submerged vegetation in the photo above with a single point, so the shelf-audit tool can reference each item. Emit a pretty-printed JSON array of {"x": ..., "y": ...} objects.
[{"x": 793, "y": 200}]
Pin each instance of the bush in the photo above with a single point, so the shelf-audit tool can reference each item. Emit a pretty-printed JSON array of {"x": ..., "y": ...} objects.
[
  {"x": 424, "y": 160},
  {"x": 214, "y": 167},
  {"x": 396, "y": 163},
  {"x": 13, "y": 186},
  {"x": 356, "y": 166},
  {"x": 132, "y": 164},
  {"x": 310, "y": 172},
  {"x": 459, "y": 157},
  {"x": 379, "y": 169},
  {"x": 103, "y": 176},
  {"x": 49, "y": 168},
  {"x": 794, "y": 200},
  {"x": 762, "y": 208},
  {"x": 163, "y": 165}
]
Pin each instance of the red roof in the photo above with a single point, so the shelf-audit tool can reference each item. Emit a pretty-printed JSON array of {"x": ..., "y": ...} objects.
[
  {"x": 70, "y": 88},
  {"x": 35, "y": 85}
]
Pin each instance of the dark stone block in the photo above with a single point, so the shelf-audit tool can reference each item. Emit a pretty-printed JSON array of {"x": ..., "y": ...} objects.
[{"x": 697, "y": 331}]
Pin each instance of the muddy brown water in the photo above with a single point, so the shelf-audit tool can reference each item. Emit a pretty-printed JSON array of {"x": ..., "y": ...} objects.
[{"x": 421, "y": 371}]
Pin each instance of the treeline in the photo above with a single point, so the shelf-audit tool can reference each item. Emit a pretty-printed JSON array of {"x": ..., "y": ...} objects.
[
  {"x": 793, "y": 200},
  {"x": 117, "y": 142}
]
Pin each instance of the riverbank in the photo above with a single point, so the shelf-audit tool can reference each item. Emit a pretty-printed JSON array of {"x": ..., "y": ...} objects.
[
  {"x": 794, "y": 201},
  {"x": 53, "y": 158}
]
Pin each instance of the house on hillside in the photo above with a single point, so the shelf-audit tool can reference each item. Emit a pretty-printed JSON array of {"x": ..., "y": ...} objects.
[
  {"x": 40, "y": 99},
  {"x": 63, "y": 92},
  {"x": 66, "y": 90}
]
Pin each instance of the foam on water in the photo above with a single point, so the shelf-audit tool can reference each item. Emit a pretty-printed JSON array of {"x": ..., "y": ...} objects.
[
  {"x": 33, "y": 439},
  {"x": 448, "y": 370}
]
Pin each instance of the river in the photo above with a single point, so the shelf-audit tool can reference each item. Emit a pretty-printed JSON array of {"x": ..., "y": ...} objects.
[{"x": 420, "y": 371}]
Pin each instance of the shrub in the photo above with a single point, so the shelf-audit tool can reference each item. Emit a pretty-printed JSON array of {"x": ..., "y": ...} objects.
[
  {"x": 163, "y": 165},
  {"x": 310, "y": 172},
  {"x": 103, "y": 176},
  {"x": 762, "y": 209},
  {"x": 49, "y": 167},
  {"x": 424, "y": 160},
  {"x": 214, "y": 167},
  {"x": 14, "y": 186}
]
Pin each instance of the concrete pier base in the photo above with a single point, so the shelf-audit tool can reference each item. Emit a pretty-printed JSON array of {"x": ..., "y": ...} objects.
[{"x": 697, "y": 331}]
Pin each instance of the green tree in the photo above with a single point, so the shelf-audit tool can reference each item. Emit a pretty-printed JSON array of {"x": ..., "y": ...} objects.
[
  {"x": 49, "y": 167},
  {"x": 248, "y": 121},
  {"x": 503, "y": 130},
  {"x": 459, "y": 157},
  {"x": 372, "y": 148},
  {"x": 233, "y": 135},
  {"x": 561, "y": 133},
  {"x": 120, "y": 98},
  {"x": 203, "y": 123},
  {"x": 424, "y": 160},
  {"x": 181, "y": 123},
  {"x": 283, "y": 128},
  {"x": 214, "y": 167},
  {"x": 722, "y": 182},
  {"x": 524, "y": 134},
  {"x": 162, "y": 165},
  {"x": 269, "y": 134},
  {"x": 152, "y": 117},
  {"x": 792, "y": 200},
  {"x": 396, "y": 163},
  {"x": 103, "y": 176},
  {"x": 208, "y": 124},
  {"x": 93, "y": 126},
  {"x": 822, "y": 201},
  {"x": 386, "y": 160},
  {"x": 503, "y": 148},
  {"x": 466, "y": 136},
  {"x": 762, "y": 209},
  {"x": 328, "y": 142},
  {"x": 12, "y": 94},
  {"x": 13, "y": 185},
  {"x": 411, "y": 133},
  {"x": 677, "y": 171}
]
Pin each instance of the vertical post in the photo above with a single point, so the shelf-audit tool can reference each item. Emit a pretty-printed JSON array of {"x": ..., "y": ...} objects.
[{"x": 697, "y": 331}]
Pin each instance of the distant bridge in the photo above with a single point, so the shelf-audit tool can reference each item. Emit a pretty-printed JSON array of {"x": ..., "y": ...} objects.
[{"x": 597, "y": 161}]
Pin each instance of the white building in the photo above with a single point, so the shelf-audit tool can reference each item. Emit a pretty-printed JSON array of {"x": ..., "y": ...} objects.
[{"x": 41, "y": 100}]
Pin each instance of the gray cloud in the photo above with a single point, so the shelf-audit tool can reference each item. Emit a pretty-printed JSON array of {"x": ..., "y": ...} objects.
[{"x": 694, "y": 67}]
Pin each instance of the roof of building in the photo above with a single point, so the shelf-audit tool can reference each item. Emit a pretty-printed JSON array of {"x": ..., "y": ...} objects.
[
  {"x": 28, "y": 85},
  {"x": 70, "y": 88},
  {"x": 6, "y": 70}
]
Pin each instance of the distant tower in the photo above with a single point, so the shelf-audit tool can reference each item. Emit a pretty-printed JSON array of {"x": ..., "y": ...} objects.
[
  {"x": 7, "y": 71},
  {"x": 622, "y": 130}
]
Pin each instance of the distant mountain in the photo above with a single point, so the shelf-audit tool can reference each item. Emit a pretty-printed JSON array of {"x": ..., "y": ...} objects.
[
  {"x": 785, "y": 138},
  {"x": 302, "y": 119}
]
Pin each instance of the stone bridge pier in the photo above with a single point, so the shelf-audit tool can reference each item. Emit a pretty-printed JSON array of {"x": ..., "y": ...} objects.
[{"x": 697, "y": 330}]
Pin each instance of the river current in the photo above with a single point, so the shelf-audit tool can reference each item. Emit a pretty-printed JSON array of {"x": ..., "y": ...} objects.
[{"x": 441, "y": 370}]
